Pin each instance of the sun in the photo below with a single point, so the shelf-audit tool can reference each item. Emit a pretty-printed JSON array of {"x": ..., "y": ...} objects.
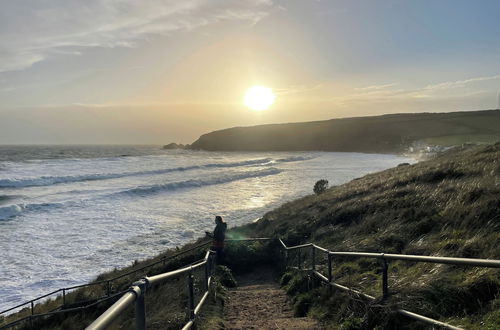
[{"x": 259, "y": 98}]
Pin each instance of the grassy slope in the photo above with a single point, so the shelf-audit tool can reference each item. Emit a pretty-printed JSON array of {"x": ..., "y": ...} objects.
[
  {"x": 448, "y": 206},
  {"x": 387, "y": 133}
]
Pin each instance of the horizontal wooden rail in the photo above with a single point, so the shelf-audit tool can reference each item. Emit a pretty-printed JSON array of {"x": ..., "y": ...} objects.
[
  {"x": 418, "y": 258},
  {"x": 115, "y": 310},
  {"x": 157, "y": 279}
]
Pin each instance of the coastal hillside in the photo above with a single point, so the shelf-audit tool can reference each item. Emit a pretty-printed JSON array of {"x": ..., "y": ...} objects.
[
  {"x": 446, "y": 206},
  {"x": 380, "y": 134}
]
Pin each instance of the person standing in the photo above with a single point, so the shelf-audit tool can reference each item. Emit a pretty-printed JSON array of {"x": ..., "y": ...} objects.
[{"x": 218, "y": 236}]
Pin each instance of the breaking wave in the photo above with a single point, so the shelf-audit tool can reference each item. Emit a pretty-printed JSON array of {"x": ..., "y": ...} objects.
[
  {"x": 11, "y": 211},
  {"x": 51, "y": 180},
  {"x": 293, "y": 159},
  {"x": 157, "y": 188}
]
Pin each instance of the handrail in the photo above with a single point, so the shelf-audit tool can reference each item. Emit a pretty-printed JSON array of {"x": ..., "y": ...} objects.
[
  {"x": 32, "y": 300},
  {"x": 111, "y": 313},
  {"x": 161, "y": 277},
  {"x": 138, "y": 289},
  {"x": 385, "y": 257},
  {"x": 249, "y": 239},
  {"x": 320, "y": 248},
  {"x": 407, "y": 257},
  {"x": 419, "y": 258},
  {"x": 6, "y": 326}
]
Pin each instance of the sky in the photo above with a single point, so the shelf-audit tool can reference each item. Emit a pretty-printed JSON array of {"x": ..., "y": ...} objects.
[{"x": 161, "y": 71}]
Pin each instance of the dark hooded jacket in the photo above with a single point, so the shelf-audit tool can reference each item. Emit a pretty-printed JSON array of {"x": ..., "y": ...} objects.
[{"x": 220, "y": 232}]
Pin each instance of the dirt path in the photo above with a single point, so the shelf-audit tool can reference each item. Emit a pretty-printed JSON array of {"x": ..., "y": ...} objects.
[{"x": 259, "y": 303}]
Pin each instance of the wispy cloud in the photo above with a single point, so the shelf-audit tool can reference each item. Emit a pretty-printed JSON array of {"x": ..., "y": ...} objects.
[
  {"x": 296, "y": 89},
  {"x": 448, "y": 89},
  {"x": 375, "y": 87},
  {"x": 460, "y": 83},
  {"x": 32, "y": 31}
]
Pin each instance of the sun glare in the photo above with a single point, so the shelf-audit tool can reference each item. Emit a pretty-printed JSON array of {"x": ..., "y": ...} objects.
[{"x": 259, "y": 98}]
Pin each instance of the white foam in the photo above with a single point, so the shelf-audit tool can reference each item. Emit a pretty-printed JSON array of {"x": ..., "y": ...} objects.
[
  {"x": 219, "y": 179},
  {"x": 50, "y": 180},
  {"x": 10, "y": 211}
]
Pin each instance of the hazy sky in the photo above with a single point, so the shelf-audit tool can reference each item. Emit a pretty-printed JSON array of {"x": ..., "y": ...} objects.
[{"x": 157, "y": 71}]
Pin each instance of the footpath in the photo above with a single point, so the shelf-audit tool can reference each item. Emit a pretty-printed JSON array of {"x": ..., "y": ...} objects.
[{"x": 259, "y": 303}]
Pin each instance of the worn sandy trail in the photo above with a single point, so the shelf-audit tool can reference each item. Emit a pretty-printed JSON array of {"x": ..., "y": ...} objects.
[{"x": 259, "y": 303}]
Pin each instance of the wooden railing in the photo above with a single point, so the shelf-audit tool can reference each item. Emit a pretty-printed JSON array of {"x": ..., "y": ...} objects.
[
  {"x": 384, "y": 261},
  {"x": 136, "y": 292}
]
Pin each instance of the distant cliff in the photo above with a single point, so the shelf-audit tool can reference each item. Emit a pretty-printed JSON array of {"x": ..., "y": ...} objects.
[{"x": 379, "y": 134}]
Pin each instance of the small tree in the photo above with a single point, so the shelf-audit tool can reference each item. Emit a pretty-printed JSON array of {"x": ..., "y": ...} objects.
[{"x": 320, "y": 186}]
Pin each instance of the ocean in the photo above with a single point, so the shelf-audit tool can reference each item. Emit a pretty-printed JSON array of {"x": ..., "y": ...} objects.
[{"x": 69, "y": 213}]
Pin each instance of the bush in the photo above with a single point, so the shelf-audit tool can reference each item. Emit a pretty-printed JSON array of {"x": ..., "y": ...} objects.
[
  {"x": 302, "y": 304},
  {"x": 226, "y": 278},
  {"x": 320, "y": 186}
]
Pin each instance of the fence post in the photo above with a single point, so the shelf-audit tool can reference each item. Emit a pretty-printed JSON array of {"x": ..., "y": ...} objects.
[
  {"x": 108, "y": 288},
  {"x": 214, "y": 264},
  {"x": 313, "y": 265},
  {"x": 140, "y": 305},
  {"x": 32, "y": 308},
  {"x": 329, "y": 267},
  {"x": 207, "y": 271},
  {"x": 190, "y": 295},
  {"x": 286, "y": 259},
  {"x": 313, "y": 258},
  {"x": 385, "y": 285},
  {"x": 64, "y": 296},
  {"x": 330, "y": 278},
  {"x": 299, "y": 262}
]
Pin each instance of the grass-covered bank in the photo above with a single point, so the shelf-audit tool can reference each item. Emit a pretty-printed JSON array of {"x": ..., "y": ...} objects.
[{"x": 447, "y": 206}]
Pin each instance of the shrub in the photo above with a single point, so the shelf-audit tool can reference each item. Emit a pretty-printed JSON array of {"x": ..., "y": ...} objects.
[
  {"x": 320, "y": 186},
  {"x": 302, "y": 304},
  {"x": 226, "y": 278}
]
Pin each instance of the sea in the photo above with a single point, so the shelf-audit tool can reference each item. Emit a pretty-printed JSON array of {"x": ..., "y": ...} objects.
[{"x": 69, "y": 213}]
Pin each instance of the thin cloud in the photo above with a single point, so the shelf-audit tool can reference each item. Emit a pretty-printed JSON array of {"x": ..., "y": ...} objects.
[
  {"x": 296, "y": 89},
  {"x": 447, "y": 89},
  {"x": 32, "y": 31},
  {"x": 460, "y": 83},
  {"x": 375, "y": 87}
]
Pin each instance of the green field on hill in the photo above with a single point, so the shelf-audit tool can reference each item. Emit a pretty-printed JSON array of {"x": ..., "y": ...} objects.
[{"x": 393, "y": 133}]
